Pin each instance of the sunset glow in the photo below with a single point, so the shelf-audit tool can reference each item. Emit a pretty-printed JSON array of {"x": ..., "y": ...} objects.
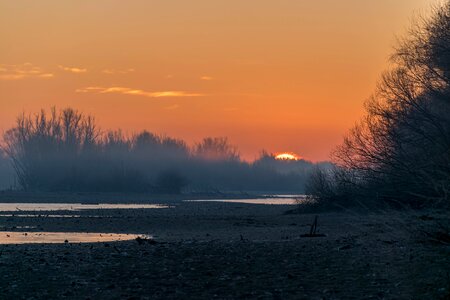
[{"x": 266, "y": 74}]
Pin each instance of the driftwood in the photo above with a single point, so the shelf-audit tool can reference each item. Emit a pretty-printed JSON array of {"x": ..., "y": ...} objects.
[{"x": 312, "y": 231}]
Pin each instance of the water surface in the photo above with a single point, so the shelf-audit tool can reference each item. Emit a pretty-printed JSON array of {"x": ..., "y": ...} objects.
[
  {"x": 265, "y": 201},
  {"x": 10, "y": 237},
  {"x": 73, "y": 206}
]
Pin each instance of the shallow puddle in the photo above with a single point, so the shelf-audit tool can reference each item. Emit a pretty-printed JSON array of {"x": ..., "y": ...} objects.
[
  {"x": 293, "y": 196},
  {"x": 50, "y": 216},
  {"x": 266, "y": 201},
  {"x": 73, "y": 206},
  {"x": 21, "y": 227},
  {"x": 8, "y": 237}
]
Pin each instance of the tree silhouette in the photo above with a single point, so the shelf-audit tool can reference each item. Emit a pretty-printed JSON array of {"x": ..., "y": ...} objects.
[
  {"x": 400, "y": 149},
  {"x": 216, "y": 148}
]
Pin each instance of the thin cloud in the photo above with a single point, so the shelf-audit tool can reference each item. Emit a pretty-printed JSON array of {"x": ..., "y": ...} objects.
[
  {"x": 46, "y": 75},
  {"x": 207, "y": 78},
  {"x": 172, "y": 107},
  {"x": 113, "y": 71},
  {"x": 72, "y": 69},
  {"x": 22, "y": 71},
  {"x": 136, "y": 92}
]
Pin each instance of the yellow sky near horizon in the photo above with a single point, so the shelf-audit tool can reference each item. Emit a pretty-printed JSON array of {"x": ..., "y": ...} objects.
[{"x": 286, "y": 75}]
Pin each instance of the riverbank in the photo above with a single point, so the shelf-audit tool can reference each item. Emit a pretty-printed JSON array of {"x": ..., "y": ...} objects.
[
  {"x": 134, "y": 198},
  {"x": 230, "y": 250}
]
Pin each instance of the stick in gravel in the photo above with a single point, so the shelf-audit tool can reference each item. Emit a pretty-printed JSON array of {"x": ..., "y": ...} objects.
[{"x": 312, "y": 231}]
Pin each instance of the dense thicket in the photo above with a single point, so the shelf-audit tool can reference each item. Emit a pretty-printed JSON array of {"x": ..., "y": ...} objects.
[
  {"x": 65, "y": 151},
  {"x": 400, "y": 150}
]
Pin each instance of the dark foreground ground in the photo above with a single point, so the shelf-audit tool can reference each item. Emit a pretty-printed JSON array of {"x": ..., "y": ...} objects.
[{"x": 228, "y": 251}]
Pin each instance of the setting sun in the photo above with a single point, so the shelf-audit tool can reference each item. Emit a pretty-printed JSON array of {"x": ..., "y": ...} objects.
[{"x": 287, "y": 156}]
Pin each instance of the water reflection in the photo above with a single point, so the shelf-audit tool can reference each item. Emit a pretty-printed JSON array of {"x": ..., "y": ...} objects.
[
  {"x": 266, "y": 201},
  {"x": 73, "y": 206},
  {"x": 293, "y": 196},
  {"x": 9, "y": 237},
  {"x": 51, "y": 216},
  {"x": 20, "y": 227}
]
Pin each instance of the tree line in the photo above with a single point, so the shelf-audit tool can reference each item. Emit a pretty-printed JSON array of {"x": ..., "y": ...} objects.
[{"x": 65, "y": 150}]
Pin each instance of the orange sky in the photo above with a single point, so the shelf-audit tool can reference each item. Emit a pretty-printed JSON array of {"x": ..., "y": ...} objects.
[{"x": 284, "y": 75}]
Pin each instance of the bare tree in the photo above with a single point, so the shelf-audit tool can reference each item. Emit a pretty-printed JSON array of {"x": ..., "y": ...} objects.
[
  {"x": 216, "y": 148},
  {"x": 44, "y": 146},
  {"x": 400, "y": 149}
]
